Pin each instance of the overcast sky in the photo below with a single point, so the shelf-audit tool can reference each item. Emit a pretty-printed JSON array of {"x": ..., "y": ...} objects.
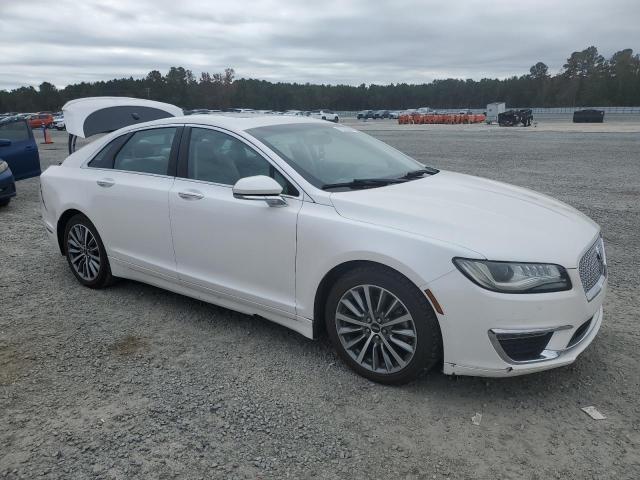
[{"x": 327, "y": 41}]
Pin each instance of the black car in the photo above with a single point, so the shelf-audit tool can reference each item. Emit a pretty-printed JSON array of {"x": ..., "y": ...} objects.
[
  {"x": 588, "y": 116},
  {"x": 381, "y": 114},
  {"x": 364, "y": 114},
  {"x": 511, "y": 118}
]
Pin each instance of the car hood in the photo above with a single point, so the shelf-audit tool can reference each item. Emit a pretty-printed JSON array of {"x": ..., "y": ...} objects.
[{"x": 497, "y": 220}]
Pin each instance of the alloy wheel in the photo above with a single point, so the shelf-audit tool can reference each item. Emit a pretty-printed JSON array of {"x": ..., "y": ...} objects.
[
  {"x": 83, "y": 252},
  {"x": 376, "y": 329}
]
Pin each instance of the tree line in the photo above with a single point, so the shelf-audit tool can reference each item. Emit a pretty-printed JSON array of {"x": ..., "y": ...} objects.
[{"x": 586, "y": 79}]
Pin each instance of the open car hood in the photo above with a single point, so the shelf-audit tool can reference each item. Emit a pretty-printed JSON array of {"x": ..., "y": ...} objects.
[{"x": 92, "y": 115}]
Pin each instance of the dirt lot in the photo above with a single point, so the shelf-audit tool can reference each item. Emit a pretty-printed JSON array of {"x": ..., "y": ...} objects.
[{"x": 134, "y": 381}]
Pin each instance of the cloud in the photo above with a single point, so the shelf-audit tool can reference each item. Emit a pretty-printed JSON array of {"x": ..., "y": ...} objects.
[{"x": 333, "y": 41}]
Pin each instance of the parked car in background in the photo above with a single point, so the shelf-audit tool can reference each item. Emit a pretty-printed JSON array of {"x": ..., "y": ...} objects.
[
  {"x": 7, "y": 184},
  {"x": 58, "y": 122},
  {"x": 39, "y": 119},
  {"x": 18, "y": 148},
  {"x": 325, "y": 115},
  {"x": 364, "y": 114},
  {"x": 394, "y": 114},
  {"x": 197, "y": 111},
  {"x": 378, "y": 114}
]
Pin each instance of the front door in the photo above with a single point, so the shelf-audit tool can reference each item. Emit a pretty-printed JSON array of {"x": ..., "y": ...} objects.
[{"x": 240, "y": 248}]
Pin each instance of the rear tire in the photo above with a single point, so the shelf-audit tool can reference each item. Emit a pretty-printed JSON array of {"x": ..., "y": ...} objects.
[
  {"x": 86, "y": 254},
  {"x": 5, "y": 202},
  {"x": 396, "y": 351}
]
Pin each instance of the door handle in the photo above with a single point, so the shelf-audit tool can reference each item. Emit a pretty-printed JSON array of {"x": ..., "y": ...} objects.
[
  {"x": 191, "y": 195},
  {"x": 29, "y": 147},
  {"x": 106, "y": 183}
]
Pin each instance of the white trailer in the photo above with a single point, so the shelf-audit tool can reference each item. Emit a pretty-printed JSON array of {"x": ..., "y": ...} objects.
[{"x": 493, "y": 109}]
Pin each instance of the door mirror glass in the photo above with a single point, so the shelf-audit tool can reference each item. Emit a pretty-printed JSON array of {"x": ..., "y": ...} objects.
[
  {"x": 259, "y": 185},
  {"x": 4, "y": 142}
]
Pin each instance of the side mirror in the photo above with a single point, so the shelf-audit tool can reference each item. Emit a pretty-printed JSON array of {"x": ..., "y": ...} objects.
[
  {"x": 260, "y": 187},
  {"x": 4, "y": 142}
]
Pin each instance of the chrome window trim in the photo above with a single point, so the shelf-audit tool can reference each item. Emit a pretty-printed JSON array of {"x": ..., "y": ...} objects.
[{"x": 129, "y": 171}]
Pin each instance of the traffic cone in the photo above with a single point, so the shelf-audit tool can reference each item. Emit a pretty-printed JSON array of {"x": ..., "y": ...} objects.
[{"x": 47, "y": 135}]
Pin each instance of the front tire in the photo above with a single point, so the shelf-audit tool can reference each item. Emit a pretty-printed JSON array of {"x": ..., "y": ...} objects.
[
  {"x": 86, "y": 254},
  {"x": 382, "y": 326}
]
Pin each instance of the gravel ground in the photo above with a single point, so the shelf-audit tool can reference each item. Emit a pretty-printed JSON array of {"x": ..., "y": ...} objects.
[{"x": 136, "y": 382}]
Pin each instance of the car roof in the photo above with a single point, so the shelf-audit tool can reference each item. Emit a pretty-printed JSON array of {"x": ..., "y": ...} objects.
[{"x": 234, "y": 121}]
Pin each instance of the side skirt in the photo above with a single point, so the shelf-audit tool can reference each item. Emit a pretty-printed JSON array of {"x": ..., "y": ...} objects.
[{"x": 299, "y": 324}]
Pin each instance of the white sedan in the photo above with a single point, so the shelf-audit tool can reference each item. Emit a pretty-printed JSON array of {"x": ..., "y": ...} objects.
[
  {"x": 320, "y": 227},
  {"x": 325, "y": 115}
]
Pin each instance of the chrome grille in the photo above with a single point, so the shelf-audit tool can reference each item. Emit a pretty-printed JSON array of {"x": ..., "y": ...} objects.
[{"x": 592, "y": 267}]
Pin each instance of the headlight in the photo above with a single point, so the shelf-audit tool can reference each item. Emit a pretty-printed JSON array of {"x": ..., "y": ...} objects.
[
  {"x": 514, "y": 277},
  {"x": 3, "y": 166}
]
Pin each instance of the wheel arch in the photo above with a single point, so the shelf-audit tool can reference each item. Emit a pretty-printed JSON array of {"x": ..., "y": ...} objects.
[
  {"x": 332, "y": 275},
  {"x": 62, "y": 223}
]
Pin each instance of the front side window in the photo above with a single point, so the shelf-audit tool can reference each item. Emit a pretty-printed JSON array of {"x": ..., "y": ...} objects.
[
  {"x": 147, "y": 151},
  {"x": 14, "y": 131},
  {"x": 325, "y": 154},
  {"x": 220, "y": 158}
]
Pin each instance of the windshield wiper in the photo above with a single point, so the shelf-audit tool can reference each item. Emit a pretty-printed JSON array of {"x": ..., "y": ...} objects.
[
  {"x": 420, "y": 172},
  {"x": 363, "y": 183}
]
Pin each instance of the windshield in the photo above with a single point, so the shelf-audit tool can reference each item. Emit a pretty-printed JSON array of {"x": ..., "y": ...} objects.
[{"x": 325, "y": 154}]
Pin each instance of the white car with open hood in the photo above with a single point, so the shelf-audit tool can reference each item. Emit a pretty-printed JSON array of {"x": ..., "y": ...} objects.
[{"x": 318, "y": 227}]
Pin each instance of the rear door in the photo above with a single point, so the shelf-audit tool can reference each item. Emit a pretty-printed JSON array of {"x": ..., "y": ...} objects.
[
  {"x": 18, "y": 148},
  {"x": 128, "y": 189}
]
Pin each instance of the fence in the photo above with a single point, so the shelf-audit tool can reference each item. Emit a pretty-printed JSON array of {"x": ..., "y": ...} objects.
[{"x": 538, "y": 111}]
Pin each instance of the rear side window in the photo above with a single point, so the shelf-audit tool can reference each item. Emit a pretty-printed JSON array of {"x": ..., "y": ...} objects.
[
  {"x": 147, "y": 151},
  {"x": 14, "y": 131},
  {"x": 102, "y": 159}
]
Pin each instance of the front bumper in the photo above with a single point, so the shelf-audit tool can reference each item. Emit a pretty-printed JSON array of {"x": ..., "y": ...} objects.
[{"x": 481, "y": 329}]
